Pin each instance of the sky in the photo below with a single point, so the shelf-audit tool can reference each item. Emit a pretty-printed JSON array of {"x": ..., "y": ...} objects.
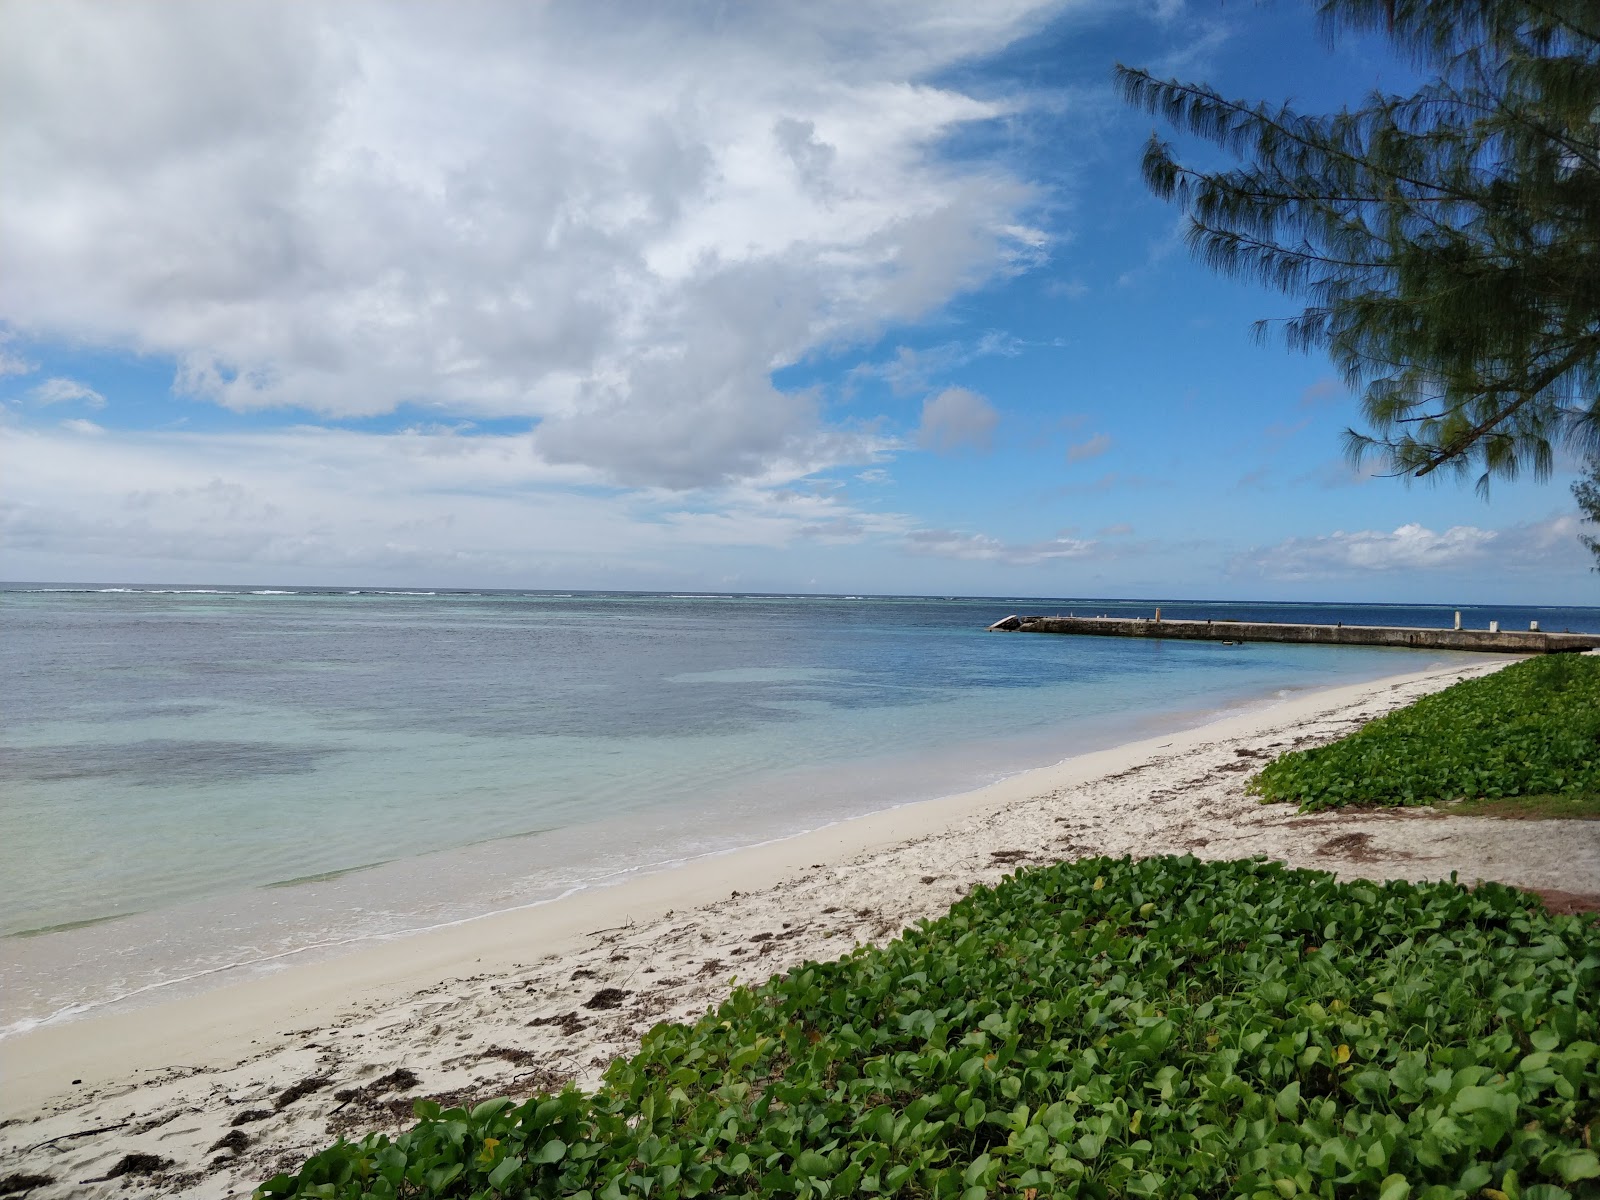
[{"x": 785, "y": 297}]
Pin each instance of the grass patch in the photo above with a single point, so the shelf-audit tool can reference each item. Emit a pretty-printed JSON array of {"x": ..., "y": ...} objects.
[
  {"x": 1531, "y": 729},
  {"x": 1579, "y": 806},
  {"x": 1107, "y": 1028}
]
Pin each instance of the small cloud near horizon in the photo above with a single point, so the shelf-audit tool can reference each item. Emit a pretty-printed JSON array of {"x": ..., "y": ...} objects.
[
  {"x": 979, "y": 547},
  {"x": 1535, "y": 545}
]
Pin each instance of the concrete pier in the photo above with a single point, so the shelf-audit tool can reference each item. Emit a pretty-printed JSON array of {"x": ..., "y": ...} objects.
[{"x": 1494, "y": 640}]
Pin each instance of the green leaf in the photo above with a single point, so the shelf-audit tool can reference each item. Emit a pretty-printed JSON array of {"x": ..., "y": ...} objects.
[
  {"x": 975, "y": 1169},
  {"x": 1573, "y": 1165},
  {"x": 490, "y": 1108},
  {"x": 1288, "y": 1101},
  {"x": 552, "y": 1151},
  {"x": 812, "y": 1164},
  {"x": 503, "y": 1172}
]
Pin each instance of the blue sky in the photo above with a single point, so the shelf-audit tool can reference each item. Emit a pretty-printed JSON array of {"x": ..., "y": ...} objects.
[{"x": 841, "y": 298}]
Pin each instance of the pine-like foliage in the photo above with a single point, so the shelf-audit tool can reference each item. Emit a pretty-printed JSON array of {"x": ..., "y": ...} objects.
[
  {"x": 1586, "y": 491},
  {"x": 1448, "y": 242}
]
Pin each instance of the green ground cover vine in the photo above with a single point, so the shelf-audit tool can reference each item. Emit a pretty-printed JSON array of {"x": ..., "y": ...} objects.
[
  {"x": 1106, "y": 1028},
  {"x": 1531, "y": 729}
]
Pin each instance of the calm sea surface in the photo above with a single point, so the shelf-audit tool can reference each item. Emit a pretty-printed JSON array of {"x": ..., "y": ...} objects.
[{"x": 203, "y": 783}]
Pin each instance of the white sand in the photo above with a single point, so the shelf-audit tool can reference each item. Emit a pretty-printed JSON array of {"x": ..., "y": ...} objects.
[{"x": 498, "y": 1006}]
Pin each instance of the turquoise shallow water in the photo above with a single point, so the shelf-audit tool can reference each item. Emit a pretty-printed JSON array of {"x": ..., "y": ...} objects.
[{"x": 203, "y": 781}]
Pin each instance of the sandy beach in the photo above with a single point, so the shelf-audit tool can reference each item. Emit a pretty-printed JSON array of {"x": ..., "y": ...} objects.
[{"x": 227, "y": 1087}]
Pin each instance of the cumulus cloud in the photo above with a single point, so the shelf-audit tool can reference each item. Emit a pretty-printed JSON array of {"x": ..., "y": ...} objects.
[
  {"x": 614, "y": 228},
  {"x": 1414, "y": 547},
  {"x": 978, "y": 547},
  {"x": 955, "y": 418},
  {"x": 66, "y": 391},
  {"x": 1093, "y": 447}
]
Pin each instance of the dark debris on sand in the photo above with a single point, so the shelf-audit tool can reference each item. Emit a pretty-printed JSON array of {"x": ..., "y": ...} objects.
[
  {"x": 570, "y": 1024},
  {"x": 134, "y": 1164},
  {"x": 297, "y": 1091},
  {"x": 233, "y": 1141},
  {"x": 20, "y": 1184}
]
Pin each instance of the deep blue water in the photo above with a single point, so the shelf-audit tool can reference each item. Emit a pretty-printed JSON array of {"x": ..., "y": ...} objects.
[{"x": 175, "y": 753}]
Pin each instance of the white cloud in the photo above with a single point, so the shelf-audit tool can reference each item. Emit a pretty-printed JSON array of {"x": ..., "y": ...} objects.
[
  {"x": 957, "y": 417},
  {"x": 1543, "y": 545},
  {"x": 1093, "y": 447},
  {"x": 978, "y": 547},
  {"x": 79, "y": 425},
  {"x": 417, "y": 505},
  {"x": 913, "y": 370},
  {"x": 307, "y": 504},
  {"x": 616, "y": 228},
  {"x": 66, "y": 391},
  {"x": 14, "y": 364}
]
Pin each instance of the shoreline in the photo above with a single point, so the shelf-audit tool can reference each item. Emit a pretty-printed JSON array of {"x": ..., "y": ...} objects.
[
  {"x": 385, "y": 944},
  {"x": 236, "y": 937},
  {"x": 548, "y": 993}
]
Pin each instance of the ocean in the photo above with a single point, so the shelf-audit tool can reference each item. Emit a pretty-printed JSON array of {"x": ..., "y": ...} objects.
[{"x": 204, "y": 783}]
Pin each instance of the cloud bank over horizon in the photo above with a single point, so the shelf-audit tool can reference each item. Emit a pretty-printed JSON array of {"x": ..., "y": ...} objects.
[{"x": 842, "y": 296}]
